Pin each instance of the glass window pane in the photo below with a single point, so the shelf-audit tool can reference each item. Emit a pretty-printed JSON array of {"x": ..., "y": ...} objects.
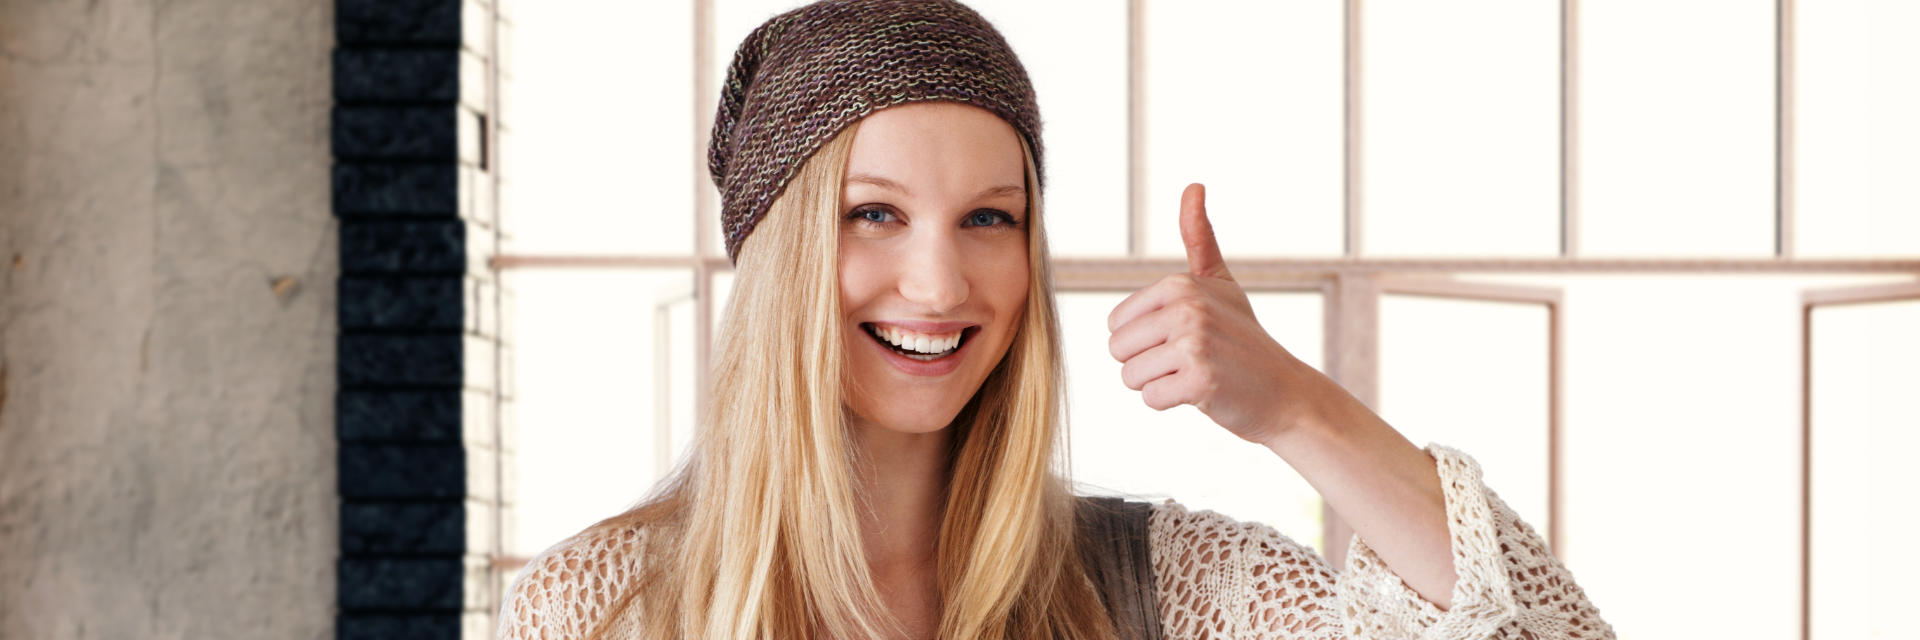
[
  {"x": 1866, "y": 426},
  {"x": 598, "y": 129},
  {"x": 584, "y": 376},
  {"x": 1854, "y": 165},
  {"x": 1682, "y": 423},
  {"x": 1121, "y": 446},
  {"x": 1273, "y": 167},
  {"x": 1472, "y": 375},
  {"x": 1460, "y": 128},
  {"x": 1676, "y": 128}
]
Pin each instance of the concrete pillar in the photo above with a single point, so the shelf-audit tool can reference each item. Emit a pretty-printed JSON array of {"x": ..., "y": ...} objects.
[{"x": 167, "y": 320}]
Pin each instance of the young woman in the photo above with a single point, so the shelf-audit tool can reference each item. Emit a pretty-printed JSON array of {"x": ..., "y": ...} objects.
[{"x": 878, "y": 457}]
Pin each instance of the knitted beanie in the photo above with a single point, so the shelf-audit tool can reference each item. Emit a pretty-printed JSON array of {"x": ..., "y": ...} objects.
[{"x": 804, "y": 75}]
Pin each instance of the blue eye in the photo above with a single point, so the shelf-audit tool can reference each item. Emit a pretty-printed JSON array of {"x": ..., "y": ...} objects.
[
  {"x": 987, "y": 218},
  {"x": 872, "y": 215}
]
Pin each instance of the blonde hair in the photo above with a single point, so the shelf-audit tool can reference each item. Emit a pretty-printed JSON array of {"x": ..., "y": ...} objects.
[{"x": 757, "y": 534}]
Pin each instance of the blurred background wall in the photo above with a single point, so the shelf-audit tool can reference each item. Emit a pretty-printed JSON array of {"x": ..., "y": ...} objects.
[{"x": 167, "y": 268}]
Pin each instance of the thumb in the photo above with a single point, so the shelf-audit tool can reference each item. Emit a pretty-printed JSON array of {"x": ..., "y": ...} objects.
[{"x": 1203, "y": 253}]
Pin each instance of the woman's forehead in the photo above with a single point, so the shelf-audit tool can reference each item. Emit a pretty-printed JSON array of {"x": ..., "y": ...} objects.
[{"x": 935, "y": 148}]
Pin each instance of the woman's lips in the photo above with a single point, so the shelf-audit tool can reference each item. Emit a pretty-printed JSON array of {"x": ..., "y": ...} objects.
[{"x": 940, "y": 366}]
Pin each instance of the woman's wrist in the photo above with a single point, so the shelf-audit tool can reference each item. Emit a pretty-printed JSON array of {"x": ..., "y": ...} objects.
[{"x": 1316, "y": 412}]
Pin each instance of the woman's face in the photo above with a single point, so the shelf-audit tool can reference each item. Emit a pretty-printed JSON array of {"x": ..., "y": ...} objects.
[{"x": 933, "y": 259}]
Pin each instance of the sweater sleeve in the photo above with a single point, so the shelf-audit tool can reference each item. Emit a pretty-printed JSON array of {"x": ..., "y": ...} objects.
[
  {"x": 564, "y": 592},
  {"x": 1216, "y": 577}
]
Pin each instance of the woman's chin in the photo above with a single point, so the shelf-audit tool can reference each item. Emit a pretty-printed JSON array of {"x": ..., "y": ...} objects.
[{"x": 912, "y": 422}]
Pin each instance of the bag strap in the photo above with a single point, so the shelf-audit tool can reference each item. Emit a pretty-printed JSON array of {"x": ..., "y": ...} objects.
[{"x": 1113, "y": 547}]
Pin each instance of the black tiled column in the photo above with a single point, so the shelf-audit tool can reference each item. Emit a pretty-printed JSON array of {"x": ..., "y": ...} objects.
[{"x": 415, "y": 346}]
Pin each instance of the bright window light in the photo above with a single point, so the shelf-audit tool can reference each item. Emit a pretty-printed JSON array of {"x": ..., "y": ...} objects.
[
  {"x": 1676, "y": 128},
  {"x": 1854, "y": 164},
  {"x": 595, "y": 154},
  {"x": 1460, "y": 133},
  {"x": 1866, "y": 426},
  {"x": 1252, "y": 106}
]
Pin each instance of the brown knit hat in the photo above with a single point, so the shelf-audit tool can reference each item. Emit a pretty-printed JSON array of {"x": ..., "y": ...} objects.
[{"x": 804, "y": 75}]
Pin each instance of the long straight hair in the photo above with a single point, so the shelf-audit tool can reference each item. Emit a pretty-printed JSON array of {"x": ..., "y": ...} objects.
[{"x": 757, "y": 535}]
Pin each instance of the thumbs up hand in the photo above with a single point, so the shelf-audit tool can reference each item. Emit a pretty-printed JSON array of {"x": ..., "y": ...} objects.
[{"x": 1192, "y": 338}]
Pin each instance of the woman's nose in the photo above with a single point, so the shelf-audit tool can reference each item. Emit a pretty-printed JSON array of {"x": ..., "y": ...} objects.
[{"x": 931, "y": 275}]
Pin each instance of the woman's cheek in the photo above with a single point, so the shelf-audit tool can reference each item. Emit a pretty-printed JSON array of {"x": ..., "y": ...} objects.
[
  {"x": 859, "y": 275},
  {"x": 1012, "y": 281},
  {"x": 1008, "y": 285}
]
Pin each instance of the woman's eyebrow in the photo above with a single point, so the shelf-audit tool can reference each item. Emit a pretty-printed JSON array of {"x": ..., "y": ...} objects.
[{"x": 868, "y": 178}]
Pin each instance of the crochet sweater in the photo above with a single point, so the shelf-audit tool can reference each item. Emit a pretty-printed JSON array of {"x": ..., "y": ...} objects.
[{"x": 1215, "y": 578}]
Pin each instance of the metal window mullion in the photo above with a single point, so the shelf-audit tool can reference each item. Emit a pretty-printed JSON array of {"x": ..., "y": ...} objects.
[
  {"x": 1136, "y": 129},
  {"x": 1783, "y": 119},
  {"x": 1806, "y": 470},
  {"x": 1351, "y": 213},
  {"x": 1569, "y": 128},
  {"x": 1556, "y": 450}
]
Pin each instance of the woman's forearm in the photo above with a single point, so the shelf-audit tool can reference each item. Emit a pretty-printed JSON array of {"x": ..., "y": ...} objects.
[{"x": 1380, "y": 483}]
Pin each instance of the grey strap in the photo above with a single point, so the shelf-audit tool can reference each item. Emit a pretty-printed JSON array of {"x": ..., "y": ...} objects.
[{"x": 1113, "y": 545}]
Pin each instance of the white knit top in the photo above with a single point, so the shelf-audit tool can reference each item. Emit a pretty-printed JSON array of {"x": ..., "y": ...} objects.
[{"x": 1215, "y": 578}]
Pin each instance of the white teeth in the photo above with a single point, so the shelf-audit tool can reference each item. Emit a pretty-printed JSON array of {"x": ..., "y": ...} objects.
[{"x": 918, "y": 342}]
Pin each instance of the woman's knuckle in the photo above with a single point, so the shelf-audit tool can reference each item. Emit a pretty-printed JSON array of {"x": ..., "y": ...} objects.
[
  {"x": 1193, "y": 345},
  {"x": 1205, "y": 382},
  {"x": 1195, "y": 306}
]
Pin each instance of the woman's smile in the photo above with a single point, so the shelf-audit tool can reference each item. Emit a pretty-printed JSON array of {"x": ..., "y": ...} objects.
[{"x": 922, "y": 349}]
